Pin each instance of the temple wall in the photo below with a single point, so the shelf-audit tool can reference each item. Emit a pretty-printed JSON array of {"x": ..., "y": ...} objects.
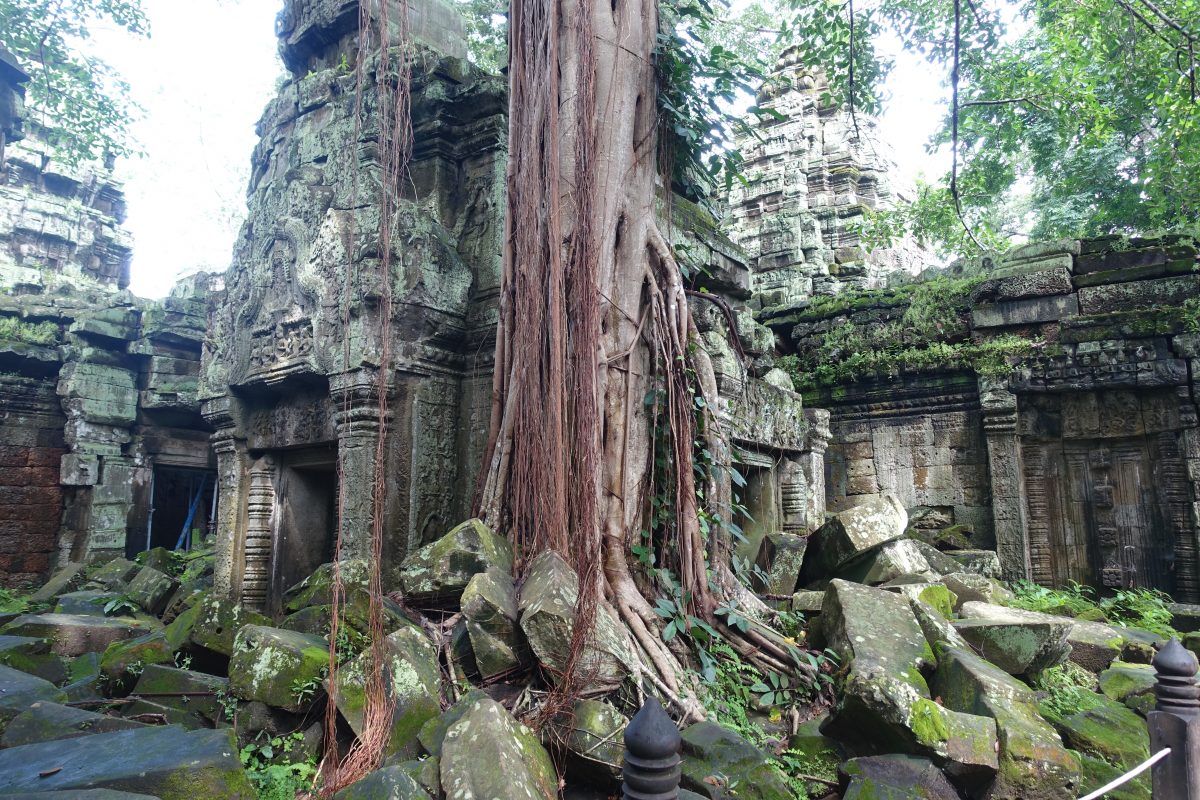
[{"x": 1047, "y": 400}]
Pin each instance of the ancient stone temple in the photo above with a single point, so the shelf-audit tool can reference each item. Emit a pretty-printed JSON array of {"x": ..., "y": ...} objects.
[
  {"x": 100, "y": 420},
  {"x": 290, "y": 374},
  {"x": 812, "y": 177},
  {"x": 290, "y": 377},
  {"x": 1051, "y": 412}
]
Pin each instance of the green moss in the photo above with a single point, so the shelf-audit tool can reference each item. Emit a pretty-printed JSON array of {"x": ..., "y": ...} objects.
[{"x": 927, "y": 723}]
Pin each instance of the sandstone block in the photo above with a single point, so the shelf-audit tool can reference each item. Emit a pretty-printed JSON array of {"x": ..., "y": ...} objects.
[
  {"x": 488, "y": 754},
  {"x": 780, "y": 558},
  {"x": 489, "y": 604},
  {"x": 851, "y": 533},
  {"x": 74, "y": 634},
  {"x": 273, "y": 666},
  {"x": 162, "y": 761},
  {"x": 438, "y": 572}
]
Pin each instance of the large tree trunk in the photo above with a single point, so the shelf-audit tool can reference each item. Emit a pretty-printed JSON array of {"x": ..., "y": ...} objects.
[{"x": 593, "y": 317}]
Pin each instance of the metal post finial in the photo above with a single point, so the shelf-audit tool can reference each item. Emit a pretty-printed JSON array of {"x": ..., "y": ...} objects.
[{"x": 652, "y": 764}]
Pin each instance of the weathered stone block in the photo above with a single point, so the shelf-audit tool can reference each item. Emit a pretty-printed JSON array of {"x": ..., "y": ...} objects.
[
  {"x": 180, "y": 689},
  {"x": 547, "y": 607},
  {"x": 273, "y": 665},
  {"x": 716, "y": 761},
  {"x": 1025, "y": 312},
  {"x": 1018, "y": 648},
  {"x": 488, "y": 754},
  {"x": 489, "y": 604},
  {"x": 978, "y": 562},
  {"x": 886, "y": 563},
  {"x": 857, "y": 530},
  {"x": 392, "y": 783},
  {"x": 969, "y": 587},
  {"x": 1034, "y": 764},
  {"x": 413, "y": 683},
  {"x": 438, "y": 572},
  {"x": 151, "y": 589},
  {"x": 165, "y": 762},
  {"x": 46, "y": 721},
  {"x": 780, "y": 557},
  {"x": 74, "y": 635},
  {"x": 1142, "y": 294},
  {"x": 895, "y": 776},
  {"x": 213, "y": 623}
]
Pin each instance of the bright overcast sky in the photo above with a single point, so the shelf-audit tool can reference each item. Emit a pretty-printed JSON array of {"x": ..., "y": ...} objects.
[{"x": 203, "y": 78}]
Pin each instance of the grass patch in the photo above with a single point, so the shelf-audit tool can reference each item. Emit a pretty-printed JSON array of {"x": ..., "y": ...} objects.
[{"x": 1128, "y": 608}]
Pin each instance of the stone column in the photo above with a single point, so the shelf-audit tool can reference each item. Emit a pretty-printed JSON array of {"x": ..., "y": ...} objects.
[
  {"x": 1006, "y": 468},
  {"x": 355, "y": 400},
  {"x": 812, "y": 464},
  {"x": 232, "y": 486},
  {"x": 259, "y": 542},
  {"x": 793, "y": 491}
]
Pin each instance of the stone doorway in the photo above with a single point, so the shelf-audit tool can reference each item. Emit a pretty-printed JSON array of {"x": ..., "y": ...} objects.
[
  {"x": 1097, "y": 516},
  {"x": 181, "y": 509},
  {"x": 305, "y": 518}
]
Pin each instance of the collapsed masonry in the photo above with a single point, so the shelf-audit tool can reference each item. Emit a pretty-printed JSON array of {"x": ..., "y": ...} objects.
[
  {"x": 1081, "y": 463},
  {"x": 101, "y": 426}
]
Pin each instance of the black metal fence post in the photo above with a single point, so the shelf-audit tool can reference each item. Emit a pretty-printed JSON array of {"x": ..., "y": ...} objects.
[
  {"x": 1175, "y": 723},
  {"x": 652, "y": 764}
]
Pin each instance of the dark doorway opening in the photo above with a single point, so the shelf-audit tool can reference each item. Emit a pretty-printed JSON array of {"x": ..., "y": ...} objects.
[
  {"x": 305, "y": 518},
  {"x": 181, "y": 506}
]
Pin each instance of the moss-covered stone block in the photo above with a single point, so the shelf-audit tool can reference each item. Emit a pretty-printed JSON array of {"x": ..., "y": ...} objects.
[
  {"x": 392, "y": 783},
  {"x": 488, "y": 754},
  {"x": 489, "y": 605},
  {"x": 895, "y": 777},
  {"x": 129, "y": 657},
  {"x": 75, "y": 634},
  {"x": 185, "y": 690},
  {"x": 217, "y": 622},
  {"x": 1097, "y": 772},
  {"x": 1018, "y": 648},
  {"x": 412, "y": 680},
  {"x": 166, "y": 762},
  {"x": 1033, "y": 763},
  {"x": 592, "y": 740},
  {"x": 46, "y": 721},
  {"x": 274, "y": 666},
  {"x": 719, "y": 764},
  {"x": 151, "y": 589},
  {"x": 438, "y": 572},
  {"x": 1107, "y": 730}
]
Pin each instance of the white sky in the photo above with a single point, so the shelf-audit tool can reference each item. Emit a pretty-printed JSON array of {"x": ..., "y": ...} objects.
[{"x": 203, "y": 78}]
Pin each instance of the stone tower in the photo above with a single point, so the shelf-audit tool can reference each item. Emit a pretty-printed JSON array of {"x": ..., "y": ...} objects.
[{"x": 812, "y": 178}]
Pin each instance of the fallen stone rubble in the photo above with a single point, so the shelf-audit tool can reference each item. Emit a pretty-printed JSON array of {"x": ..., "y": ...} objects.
[{"x": 136, "y": 679}]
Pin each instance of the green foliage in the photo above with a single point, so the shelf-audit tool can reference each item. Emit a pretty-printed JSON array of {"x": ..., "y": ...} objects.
[
  {"x": 699, "y": 79},
  {"x": 1146, "y": 609},
  {"x": 40, "y": 333},
  {"x": 274, "y": 775},
  {"x": 1072, "y": 601},
  {"x": 1140, "y": 608},
  {"x": 487, "y": 33},
  {"x": 305, "y": 689},
  {"x": 14, "y": 602},
  {"x": 929, "y": 334},
  {"x": 1090, "y": 104},
  {"x": 120, "y": 605},
  {"x": 78, "y": 97},
  {"x": 1070, "y": 689},
  {"x": 732, "y": 698}
]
